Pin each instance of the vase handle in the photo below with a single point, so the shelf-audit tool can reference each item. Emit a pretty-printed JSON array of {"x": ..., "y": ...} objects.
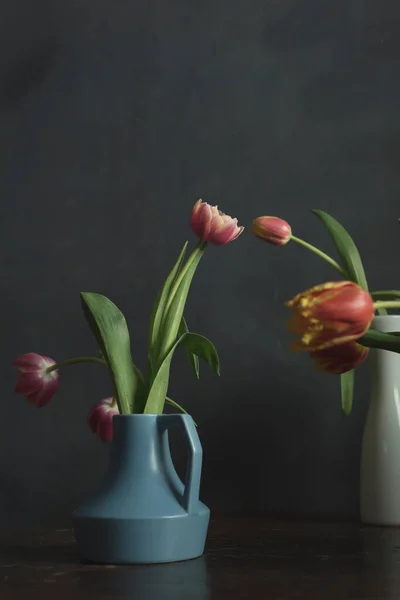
[{"x": 189, "y": 492}]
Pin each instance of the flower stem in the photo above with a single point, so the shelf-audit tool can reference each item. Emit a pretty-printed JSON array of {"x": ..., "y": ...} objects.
[
  {"x": 387, "y": 304},
  {"x": 321, "y": 254},
  {"x": 177, "y": 406},
  {"x": 73, "y": 361}
]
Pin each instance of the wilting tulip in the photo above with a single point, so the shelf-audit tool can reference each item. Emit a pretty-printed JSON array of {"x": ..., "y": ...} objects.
[
  {"x": 34, "y": 381},
  {"x": 100, "y": 418},
  {"x": 273, "y": 230},
  {"x": 330, "y": 314},
  {"x": 339, "y": 359},
  {"x": 212, "y": 225}
]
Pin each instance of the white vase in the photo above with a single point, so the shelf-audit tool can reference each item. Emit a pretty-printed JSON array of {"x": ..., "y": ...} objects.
[{"x": 380, "y": 456}]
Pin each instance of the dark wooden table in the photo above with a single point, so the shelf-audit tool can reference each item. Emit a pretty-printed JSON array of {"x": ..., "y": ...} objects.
[{"x": 245, "y": 558}]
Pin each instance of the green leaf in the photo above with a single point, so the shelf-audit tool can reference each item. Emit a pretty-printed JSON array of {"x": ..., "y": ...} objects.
[
  {"x": 346, "y": 248},
  {"x": 197, "y": 344},
  {"x": 203, "y": 348},
  {"x": 176, "y": 303},
  {"x": 386, "y": 295},
  {"x": 378, "y": 339},
  {"x": 347, "y": 390},
  {"x": 111, "y": 332},
  {"x": 141, "y": 393},
  {"x": 177, "y": 406},
  {"x": 193, "y": 358},
  {"x": 162, "y": 299}
]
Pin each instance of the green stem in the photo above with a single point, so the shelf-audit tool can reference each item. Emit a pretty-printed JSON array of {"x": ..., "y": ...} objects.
[
  {"x": 319, "y": 253},
  {"x": 73, "y": 361},
  {"x": 387, "y": 304},
  {"x": 389, "y": 293},
  {"x": 177, "y": 406}
]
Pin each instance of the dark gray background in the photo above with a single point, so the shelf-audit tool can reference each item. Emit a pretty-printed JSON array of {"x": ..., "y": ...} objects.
[{"x": 115, "y": 117}]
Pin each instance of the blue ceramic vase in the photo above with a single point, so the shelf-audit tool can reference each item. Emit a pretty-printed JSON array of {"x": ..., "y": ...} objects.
[{"x": 142, "y": 512}]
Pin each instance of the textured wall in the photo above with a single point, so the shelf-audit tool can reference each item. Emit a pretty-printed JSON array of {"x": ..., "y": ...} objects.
[{"x": 115, "y": 118}]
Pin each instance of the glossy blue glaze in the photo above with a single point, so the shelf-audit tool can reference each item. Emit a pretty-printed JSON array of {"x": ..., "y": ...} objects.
[{"x": 142, "y": 512}]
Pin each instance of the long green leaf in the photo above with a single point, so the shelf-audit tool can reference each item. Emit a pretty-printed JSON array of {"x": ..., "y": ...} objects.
[
  {"x": 162, "y": 299},
  {"x": 346, "y": 248},
  {"x": 197, "y": 344},
  {"x": 176, "y": 304},
  {"x": 378, "y": 339},
  {"x": 111, "y": 332},
  {"x": 347, "y": 391},
  {"x": 193, "y": 358}
]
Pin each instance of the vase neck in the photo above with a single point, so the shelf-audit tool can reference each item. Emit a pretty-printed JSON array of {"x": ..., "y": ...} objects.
[{"x": 136, "y": 441}]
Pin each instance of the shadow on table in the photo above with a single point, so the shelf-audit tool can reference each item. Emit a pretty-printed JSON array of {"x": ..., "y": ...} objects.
[
  {"x": 56, "y": 554},
  {"x": 188, "y": 580}
]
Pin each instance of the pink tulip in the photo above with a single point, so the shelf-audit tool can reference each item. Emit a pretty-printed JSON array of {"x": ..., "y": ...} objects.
[
  {"x": 100, "y": 418},
  {"x": 273, "y": 230},
  {"x": 212, "y": 225},
  {"x": 35, "y": 382}
]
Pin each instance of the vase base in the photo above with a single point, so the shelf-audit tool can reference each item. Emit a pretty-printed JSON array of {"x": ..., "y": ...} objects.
[{"x": 141, "y": 541}]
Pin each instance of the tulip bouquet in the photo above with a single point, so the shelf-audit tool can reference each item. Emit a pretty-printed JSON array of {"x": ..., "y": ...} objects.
[
  {"x": 333, "y": 320},
  {"x": 134, "y": 392}
]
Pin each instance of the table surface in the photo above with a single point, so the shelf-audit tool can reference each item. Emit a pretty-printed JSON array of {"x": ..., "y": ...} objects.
[{"x": 245, "y": 558}]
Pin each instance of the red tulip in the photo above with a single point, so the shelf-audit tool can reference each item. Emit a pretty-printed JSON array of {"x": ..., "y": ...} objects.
[
  {"x": 100, "y": 418},
  {"x": 35, "y": 382},
  {"x": 273, "y": 230},
  {"x": 330, "y": 314},
  {"x": 212, "y": 225},
  {"x": 339, "y": 359}
]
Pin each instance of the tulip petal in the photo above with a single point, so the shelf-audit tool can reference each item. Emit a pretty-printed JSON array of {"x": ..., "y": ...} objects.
[
  {"x": 30, "y": 362},
  {"x": 43, "y": 396},
  {"x": 28, "y": 383},
  {"x": 347, "y": 305},
  {"x": 201, "y": 219},
  {"x": 225, "y": 234},
  {"x": 100, "y": 418},
  {"x": 297, "y": 323},
  {"x": 339, "y": 359},
  {"x": 105, "y": 429}
]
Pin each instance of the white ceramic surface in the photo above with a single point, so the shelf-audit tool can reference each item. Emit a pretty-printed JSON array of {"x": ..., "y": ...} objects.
[{"x": 380, "y": 457}]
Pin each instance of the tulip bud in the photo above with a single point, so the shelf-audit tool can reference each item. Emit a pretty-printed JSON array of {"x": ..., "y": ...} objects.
[
  {"x": 330, "y": 314},
  {"x": 34, "y": 382},
  {"x": 100, "y": 418},
  {"x": 212, "y": 225},
  {"x": 340, "y": 358},
  {"x": 273, "y": 230}
]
